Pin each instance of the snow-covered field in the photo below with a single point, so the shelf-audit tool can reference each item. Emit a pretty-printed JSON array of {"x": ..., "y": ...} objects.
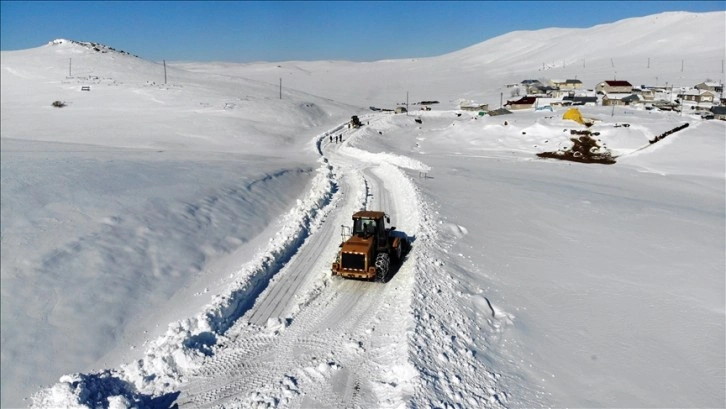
[{"x": 171, "y": 243}]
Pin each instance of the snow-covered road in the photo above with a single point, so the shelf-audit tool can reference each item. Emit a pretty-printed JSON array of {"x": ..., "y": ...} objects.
[{"x": 312, "y": 340}]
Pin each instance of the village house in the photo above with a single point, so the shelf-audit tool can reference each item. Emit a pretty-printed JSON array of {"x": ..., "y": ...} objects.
[
  {"x": 634, "y": 100},
  {"x": 710, "y": 86},
  {"x": 522, "y": 103},
  {"x": 646, "y": 94},
  {"x": 544, "y": 91},
  {"x": 534, "y": 87},
  {"x": 719, "y": 112},
  {"x": 556, "y": 83},
  {"x": 614, "y": 98},
  {"x": 575, "y": 100},
  {"x": 559, "y": 93},
  {"x": 567, "y": 85},
  {"x": 696, "y": 98},
  {"x": 609, "y": 87}
]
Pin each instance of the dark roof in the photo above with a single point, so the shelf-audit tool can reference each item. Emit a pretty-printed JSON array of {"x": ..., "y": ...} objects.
[
  {"x": 523, "y": 101},
  {"x": 580, "y": 99},
  {"x": 573, "y": 82},
  {"x": 500, "y": 111},
  {"x": 619, "y": 83},
  {"x": 719, "y": 110}
]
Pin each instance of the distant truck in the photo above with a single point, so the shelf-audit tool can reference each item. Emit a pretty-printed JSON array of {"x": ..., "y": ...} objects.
[{"x": 370, "y": 249}]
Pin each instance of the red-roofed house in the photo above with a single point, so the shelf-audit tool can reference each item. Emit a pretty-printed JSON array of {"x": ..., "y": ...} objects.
[{"x": 617, "y": 87}]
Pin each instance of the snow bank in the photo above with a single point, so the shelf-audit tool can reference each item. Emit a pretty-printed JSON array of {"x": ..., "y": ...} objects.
[{"x": 186, "y": 343}]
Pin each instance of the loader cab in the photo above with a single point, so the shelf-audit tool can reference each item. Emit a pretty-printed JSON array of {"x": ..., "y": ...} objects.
[
  {"x": 369, "y": 224},
  {"x": 365, "y": 227}
]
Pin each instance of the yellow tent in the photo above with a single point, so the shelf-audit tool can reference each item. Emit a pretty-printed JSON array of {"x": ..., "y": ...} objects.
[{"x": 574, "y": 114}]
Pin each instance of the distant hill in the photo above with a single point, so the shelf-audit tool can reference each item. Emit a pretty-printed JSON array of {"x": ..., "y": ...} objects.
[
  {"x": 677, "y": 48},
  {"x": 101, "y": 48}
]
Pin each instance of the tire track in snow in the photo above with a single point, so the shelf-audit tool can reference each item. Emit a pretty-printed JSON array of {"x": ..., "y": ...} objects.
[
  {"x": 335, "y": 349},
  {"x": 450, "y": 370}
]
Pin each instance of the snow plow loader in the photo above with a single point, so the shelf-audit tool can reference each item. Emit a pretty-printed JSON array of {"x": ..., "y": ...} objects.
[{"x": 370, "y": 249}]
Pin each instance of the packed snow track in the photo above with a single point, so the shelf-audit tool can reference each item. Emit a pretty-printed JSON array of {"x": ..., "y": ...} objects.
[{"x": 313, "y": 340}]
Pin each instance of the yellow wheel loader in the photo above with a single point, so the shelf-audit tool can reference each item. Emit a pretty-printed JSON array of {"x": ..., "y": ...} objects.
[{"x": 369, "y": 249}]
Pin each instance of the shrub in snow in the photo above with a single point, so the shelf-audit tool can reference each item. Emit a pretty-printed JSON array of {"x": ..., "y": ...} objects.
[
  {"x": 584, "y": 149},
  {"x": 58, "y": 104}
]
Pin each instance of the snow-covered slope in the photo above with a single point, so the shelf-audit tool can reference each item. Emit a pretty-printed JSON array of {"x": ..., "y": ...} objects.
[
  {"x": 662, "y": 37},
  {"x": 117, "y": 202},
  {"x": 219, "y": 113},
  {"x": 677, "y": 48},
  {"x": 170, "y": 242}
]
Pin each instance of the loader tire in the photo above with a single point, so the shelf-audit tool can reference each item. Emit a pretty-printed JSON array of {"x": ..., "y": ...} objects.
[{"x": 383, "y": 262}]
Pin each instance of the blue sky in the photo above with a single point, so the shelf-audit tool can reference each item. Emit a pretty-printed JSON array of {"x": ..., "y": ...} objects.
[{"x": 248, "y": 31}]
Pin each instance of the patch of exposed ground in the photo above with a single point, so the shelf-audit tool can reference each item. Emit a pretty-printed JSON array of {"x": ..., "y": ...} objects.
[{"x": 585, "y": 149}]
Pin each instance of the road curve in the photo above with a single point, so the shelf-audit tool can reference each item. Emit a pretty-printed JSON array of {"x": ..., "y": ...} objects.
[{"x": 313, "y": 340}]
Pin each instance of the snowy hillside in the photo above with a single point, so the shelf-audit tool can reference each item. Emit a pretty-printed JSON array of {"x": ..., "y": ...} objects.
[
  {"x": 169, "y": 242},
  {"x": 677, "y": 48}
]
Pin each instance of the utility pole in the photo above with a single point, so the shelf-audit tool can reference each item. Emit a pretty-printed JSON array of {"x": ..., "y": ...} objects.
[
  {"x": 280, "y": 87},
  {"x": 406, "y": 102},
  {"x": 648, "y": 62},
  {"x": 501, "y": 95},
  {"x": 681, "y": 65},
  {"x": 164, "y": 72},
  {"x": 70, "y": 60}
]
